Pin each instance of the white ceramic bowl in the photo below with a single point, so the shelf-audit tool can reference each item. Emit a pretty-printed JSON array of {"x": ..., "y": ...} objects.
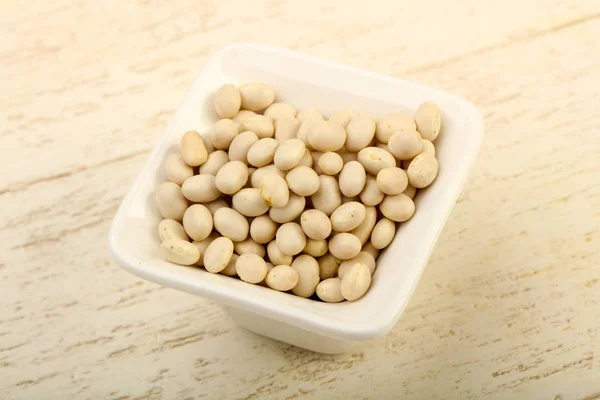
[{"x": 304, "y": 81}]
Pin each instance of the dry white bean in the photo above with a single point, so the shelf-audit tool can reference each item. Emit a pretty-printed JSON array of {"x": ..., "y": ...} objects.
[
  {"x": 207, "y": 138},
  {"x": 251, "y": 268},
  {"x": 428, "y": 120},
  {"x": 331, "y": 163},
  {"x": 213, "y": 206},
  {"x": 303, "y": 180},
  {"x": 202, "y": 245},
  {"x": 261, "y": 172},
  {"x": 242, "y": 116},
  {"x": 348, "y": 216},
  {"x": 315, "y": 248},
  {"x": 428, "y": 147},
  {"x": 410, "y": 191},
  {"x": 213, "y": 164},
  {"x": 371, "y": 194},
  {"x": 352, "y": 179},
  {"x": 249, "y": 246},
  {"x": 262, "y": 152},
  {"x": 398, "y": 208},
  {"x": 282, "y": 278},
  {"x": 361, "y": 258},
  {"x": 328, "y": 266},
  {"x": 305, "y": 129},
  {"x": 286, "y": 128},
  {"x": 374, "y": 159},
  {"x": 176, "y": 169},
  {"x": 316, "y": 155},
  {"x": 368, "y": 248},
  {"x": 422, "y": 170},
  {"x": 290, "y": 239},
  {"x": 224, "y": 131},
  {"x": 232, "y": 177},
  {"x": 330, "y": 290},
  {"x": 256, "y": 96},
  {"x": 315, "y": 224},
  {"x": 360, "y": 132},
  {"x": 261, "y": 125},
  {"x": 179, "y": 252},
  {"x": 274, "y": 190},
  {"x": 342, "y": 117},
  {"x": 289, "y": 154},
  {"x": 392, "y": 180},
  {"x": 198, "y": 222},
  {"x": 383, "y": 233},
  {"x": 363, "y": 231},
  {"x": 280, "y": 110},
  {"x": 308, "y": 275},
  {"x": 290, "y": 211},
  {"x": 171, "y": 229},
  {"x": 231, "y": 224},
  {"x": 276, "y": 256},
  {"x": 200, "y": 189},
  {"x": 307, "y": 114},
  {"x": 218, "y": 254},
  {"x": 238, "y": 150},
  {"x": 193, "y": 149},
  {"x": 326, "y": 136},
  {"x": 328, "y": 197},
  {"x": 306, "y": 159},
  {"x": 405, "y": 144},
  {"x": 249, "y": 202},
  {"x": 263, "y": 229},
  {"x": 390, "y": 124},
  {"x": 344, "y": 246},
  {"x": 356, "y": 282},
  {"x": 229, "y": 270},
  {"x": 227, "y": 101},
  {"x": 170, "y": 200}
]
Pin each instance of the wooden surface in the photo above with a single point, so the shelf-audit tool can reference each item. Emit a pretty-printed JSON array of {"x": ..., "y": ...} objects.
[{"x": 509, "y": 306}]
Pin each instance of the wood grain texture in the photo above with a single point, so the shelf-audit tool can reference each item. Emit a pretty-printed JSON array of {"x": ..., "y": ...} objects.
[{"x": 509, "y": 306}]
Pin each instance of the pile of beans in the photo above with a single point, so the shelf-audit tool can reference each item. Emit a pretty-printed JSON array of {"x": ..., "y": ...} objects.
[{"x": 291, "y": 200}]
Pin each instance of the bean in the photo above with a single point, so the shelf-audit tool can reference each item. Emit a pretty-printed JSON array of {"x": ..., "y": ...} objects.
[
  {"x": 276, "y": 256},
  {"x": 274, "y": 191},
  {"x": 231, "y": 224},
  {"x": 262, "y": 152},
  {"x": 348, "y": 216},
  {"x": 280, "y": 110},
  {"x": 304, "y": 131},
  {"x": 344, "y": 246},
  {"x": 392, "y": 180},
  {"x": 361, "y": 258},
  {"x": 251, "y": 268},
  {"x": 371, "y": 194},
  {"x": 428, "y": 120},
  {"x": 405, "y": 144},
  {"x": 200, "y": 189},
  {"x": 249, "y": 202},
  {"x": 238, "y": 150},
  {"x": 229, "y": 270},
  {"x": 218, "y": 254},
  {"x": 383, "y": 233},
  {"x": 289, "y": 153},
  {"x": 197, "y": 222},
  {"x": 213, "y": 164},
  {"x": 263, "y": 229},
  {"x": 342, "y": 117},
  {"x": 360, "y": 132},
  {"x": 326, "y": 136},
  {"x": 290, "y": 211},
  {"x": 261, "y": 172},
  {"x": 256, "y": 96},
  {"x": 303, "y": 180},
  {"x": 368, "y": 248},
  {"x": 224, "y": 131},
  {"x": 282, "y": 278},
  {"x": 352, "y": 179},
  {"x": 307, "y": 114},
  {"x": 398, "y": 208},
  {"x": 171, "y": 229},
  {"x": 428, "y": 147},
  {"x": 315, "y": 224},
  {"x": 316, "y": 155},
  {"x": 242, "y": 116},
  {"x": 213, "y": 206},
  {"x": 315, "y": 248},
  {"x": 170, "y": 201},
  {"x": 259, "y": 124},
  {"x": 290, "y": 239},
  {"x": 286, "y": 128},
  {"x": 422, "y": 170},
  {"x": 331, "y": 163},
  {"x": 410, "y": 191},
  {"x": 249, "y": 246},
  {"x": 193, "y": 149},
  {"x": 308, "y": 275},
  {"x": 390, "y": 124},
  {"x": 306, "y": 159},
  {"x": 176, "y": 169},
  {"x": 227, "y": 101},
  {"x": 232, "y": 177},
  {"x": 374, "y": 159},
  {"x": 330, "y": 290},
  {"x": 328, "y": 197},
  {"x": 328, "y": 266},
  {"x": 202, "y": 245},
  {"x": 356, "y": 282},
  {"x": 179, "y": 252}
]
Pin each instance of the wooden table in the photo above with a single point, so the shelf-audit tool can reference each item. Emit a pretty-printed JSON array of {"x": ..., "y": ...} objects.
[{"x": 509, "y": 306}]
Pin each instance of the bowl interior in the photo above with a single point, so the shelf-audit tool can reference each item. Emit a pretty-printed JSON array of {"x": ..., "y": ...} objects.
[{"x": 303, "y": 81}]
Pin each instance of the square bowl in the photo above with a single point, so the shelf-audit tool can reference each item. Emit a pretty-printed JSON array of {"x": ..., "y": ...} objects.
[{"x": 304, "y": 81}]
